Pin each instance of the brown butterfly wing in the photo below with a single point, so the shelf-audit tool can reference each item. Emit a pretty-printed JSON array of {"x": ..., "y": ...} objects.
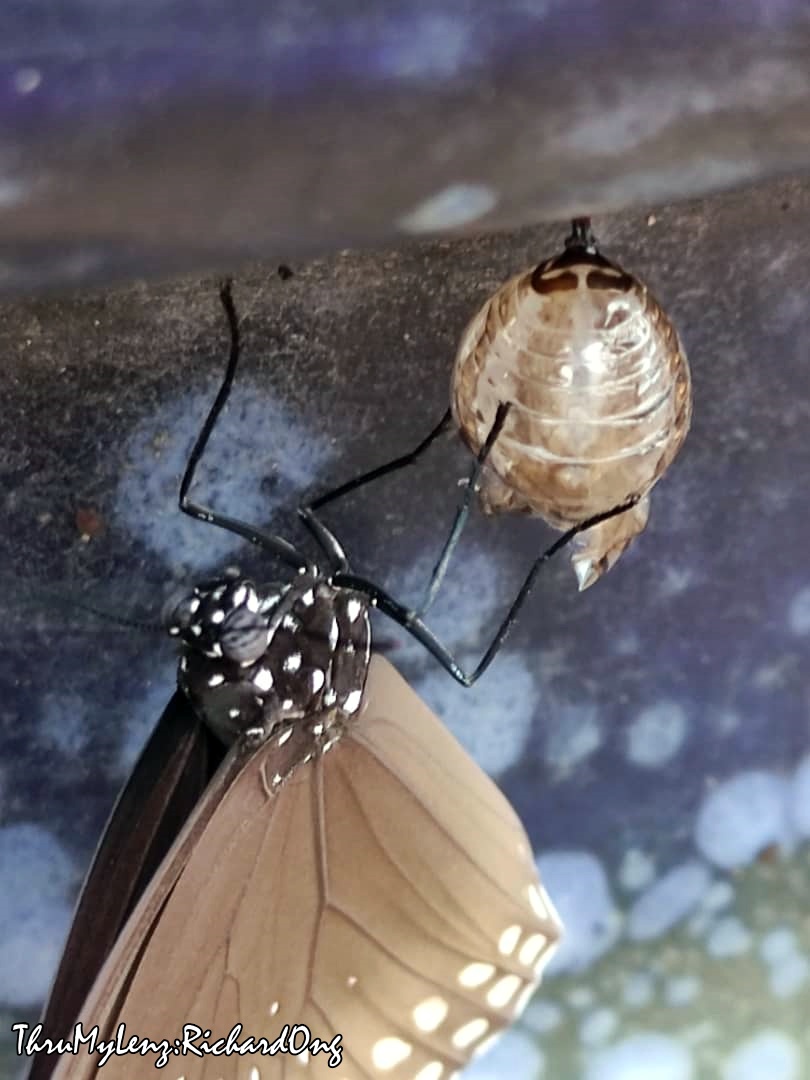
[
  {"x": 165, "y": 786},
  {"x": 386, "y": 892}
]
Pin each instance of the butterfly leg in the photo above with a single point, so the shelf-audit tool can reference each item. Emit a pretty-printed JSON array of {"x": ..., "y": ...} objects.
[
  {"x": 411, "y": 621},
  {"x": 394, "y": 465},
  {"x": 463, "y": 512},
  {"x": 269, "y": 541}
]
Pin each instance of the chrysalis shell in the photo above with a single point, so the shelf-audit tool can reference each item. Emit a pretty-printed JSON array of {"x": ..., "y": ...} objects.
[{"x": 600, "y": 392}]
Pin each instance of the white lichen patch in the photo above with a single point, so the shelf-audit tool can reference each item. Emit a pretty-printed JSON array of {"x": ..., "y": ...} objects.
[
  {"x": 743, "y": 816},
  {"x": 574, "y": 736},
  {"x": 668, "y": 900},
  {"x": 656, "y": 735},
  {"x": 494, "y": 724},
  {"x": 582, "y": 896},
  {"x": 636, "y": 870},
  {"x": 770, "y": 1054}
]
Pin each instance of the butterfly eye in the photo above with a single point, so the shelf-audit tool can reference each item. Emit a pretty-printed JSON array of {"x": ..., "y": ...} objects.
[{"x": 243, "y": 636}]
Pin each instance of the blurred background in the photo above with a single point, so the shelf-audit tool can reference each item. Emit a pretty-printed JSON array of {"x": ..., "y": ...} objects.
[{"x": 402, "y": 161}]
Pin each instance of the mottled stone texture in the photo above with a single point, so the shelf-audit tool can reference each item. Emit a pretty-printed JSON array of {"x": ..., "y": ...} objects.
[
  {"x": 181, "y": 134},
  {"x": 657, "y": 722}
]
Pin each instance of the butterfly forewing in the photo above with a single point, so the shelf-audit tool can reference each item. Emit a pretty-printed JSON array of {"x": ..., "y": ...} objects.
[
  {"x": 165, "y": 785},
  {"x": 385, "y": 891}
]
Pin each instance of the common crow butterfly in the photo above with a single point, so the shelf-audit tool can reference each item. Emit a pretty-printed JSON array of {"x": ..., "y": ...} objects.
[{"x": 301, "y": 843}]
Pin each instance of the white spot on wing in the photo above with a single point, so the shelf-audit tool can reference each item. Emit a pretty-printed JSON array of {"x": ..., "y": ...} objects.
[
  {"x": 387, "y": 1053},
  {"x": 289, "y": 622},
  {"x": 283, "y": 737},
  {"x": 216, "y": 680},
  {"x": 239, "y": 596},
  {"x": 470, "y": 1032},
  {"x": 486, "y": 1045},
  {"x": 317, "y": 679},
  {"x": 509, "y": 939},
  {"x": 329, "y": 697},
  {"x": 308, "y": 598},
  {"x": 475, "y": 974},
  {"x": 430, "y": 1013},
  {"x": 531, "y": 949},
  {"x": 292, "y": 662},
  {"x": 352, "y": 702},
  {"x": 353, "y": 609},
  {"x": 217, "y": 616},
  {"x": 502, "y": 992},
  {"x": 334, "y": 634},
  {"x": 432, "y": 1071}
]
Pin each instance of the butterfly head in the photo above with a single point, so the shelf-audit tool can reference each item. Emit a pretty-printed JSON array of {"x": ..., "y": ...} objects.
[{"x": 225, "y": 618}]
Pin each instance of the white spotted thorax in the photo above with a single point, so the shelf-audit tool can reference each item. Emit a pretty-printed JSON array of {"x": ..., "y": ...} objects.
[
  {"x": 600, "y": 392},
  {"x": 255, "y": 662}
]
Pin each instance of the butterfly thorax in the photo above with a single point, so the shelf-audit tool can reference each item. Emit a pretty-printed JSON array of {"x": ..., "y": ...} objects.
[{"x": 254, "y": 661}]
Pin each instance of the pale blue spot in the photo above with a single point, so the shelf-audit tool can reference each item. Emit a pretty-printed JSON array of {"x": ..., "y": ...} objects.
[
  {"x": 728, "y": 937},
  {"x": 432, "y": 46},
  {"x": 638, "y": 990},
  {"x": 573, "y": 737},
  {"x": 789, "y": 976},
  {"x": 12, "y": 192},
  {"x": 682, "y": 990},
  {"x": 35, "y": 911},
  {"x": 768, "y": 1055},
  {"x": 143, "y": 716},
  {"x": 598, "y": 1026},
  {"x": 580, "y": 997},
  {"x": 258, "y": 440},
  {"x": 462, "y": 618},
  {"x": 656, "y": 735},
  {"x": 637, "y": 869},
  {"x": 542, "y": 1016},
  {"x": 799, "y": 612},
  {"x": 718, "y": 896},
  {"x": 579, "y": 886},
  {"x": 778, "y": 944},
  {"x": 459, "y": 204},
  {"x": 514, "y": 1054},
  {"x": 646, "y": 1056},
  {"x": 494, "y": 723},
  {"x": 63, "y": 724},
  {"x": 668, "y": 901},
  {"x": 742, "y": 816},
  {"x": 800, "y": 797}
]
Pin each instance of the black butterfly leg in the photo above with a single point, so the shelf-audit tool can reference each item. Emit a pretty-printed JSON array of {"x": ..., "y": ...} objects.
[
  {"x": 410, "y": 620},
  {"x": 463, "y": 512},
  {"x": 400, "y": 462},
  {"x": 276, "y": 544}
]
